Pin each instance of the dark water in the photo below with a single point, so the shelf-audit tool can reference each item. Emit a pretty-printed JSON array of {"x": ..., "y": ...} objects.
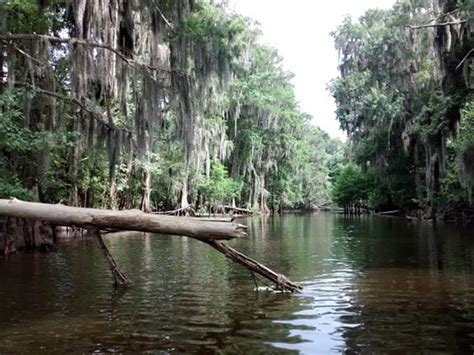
[{"x": 371, "y": 285}]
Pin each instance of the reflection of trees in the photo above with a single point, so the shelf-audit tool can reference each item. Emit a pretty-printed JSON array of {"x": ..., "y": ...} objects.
[
  {"x": 379, "y": 281},
  {"x": 294, "y": 245},
  {"x": 413, "y": 286}
]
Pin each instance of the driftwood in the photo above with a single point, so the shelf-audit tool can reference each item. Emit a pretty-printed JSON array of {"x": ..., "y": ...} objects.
[
  {"x": 119, "y": 277},
  {"x": 238, "y": 209},
  {"x": 280, "y": 280},
  {"x": 388, "y": 212},
  {"x": 208, "y": 231},
  {"x": 132, "y": 220},
  {"x": 184, "y": 211},
  {"x": 214, "y": 219}
]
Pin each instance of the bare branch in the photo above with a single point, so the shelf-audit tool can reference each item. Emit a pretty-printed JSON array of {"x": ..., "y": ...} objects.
[
  {"x": 437, "y": 24},
  {"x": 27, "y": 55},
  {"x": 440, "y": 16},
  {"x": 72, "y": 41},
  {"x": 164, "y": 18},
  {"x": 464, "y": 59},
  {"x": 71, "y": 100}
]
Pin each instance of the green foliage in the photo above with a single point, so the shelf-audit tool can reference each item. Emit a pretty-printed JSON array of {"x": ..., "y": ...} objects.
[
  {"x": 21, "y": 143},
  {"x": 274, "y": 141},
  {"x": 465, "y": 140},
  {"x": 218, "y": 187},
  {"x": 350, "y": 186},
  {"x": 15, "y": 137},
  {"x": 57, "y": 184},
  {"x": 28, "y": 16},
  {"x": 399, "y": 98},
  {"x": 464, "y": 147},
  {"x": 17, "y": 141},
  {"x": 15, "y": 190},
  {"x": 225, "y": 98},
  {"x": 10, "y": 186}
]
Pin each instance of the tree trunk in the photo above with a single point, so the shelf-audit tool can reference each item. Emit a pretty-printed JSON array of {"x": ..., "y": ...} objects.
[
  {"x": 145, "y": 205},
  {"x": 132, "y": 220},
  {"x": 22, "y": 234},
  {"x": 184, "y": 193},
  {"x": 74, "y": 166},
  {"x": 113, "y": 193},
  {"x": 207, "y": 231},
  {"x": 418, "y": 181}
]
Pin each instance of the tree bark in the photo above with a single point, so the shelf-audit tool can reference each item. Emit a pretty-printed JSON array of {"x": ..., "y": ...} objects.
[
  {"x": 21, "y": 234},
  {"x": 207, "y": 231},
  {"x": 145, "y": 205},
  {"x": 280, "y": 280},
  {"x": 119, "y": 278},
  {"x": 238, "y": 209},
  {"x": 388, "y": 212},
  {"x": 132, "y": 220},
  {"x": 184, "y": 193}
]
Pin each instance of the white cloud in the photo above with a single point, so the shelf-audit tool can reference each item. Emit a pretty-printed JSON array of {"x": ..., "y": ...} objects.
[{"x": 300, "y": 31}]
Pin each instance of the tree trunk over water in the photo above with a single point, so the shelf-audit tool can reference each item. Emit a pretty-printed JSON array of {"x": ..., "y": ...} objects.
[
  {"x": 132, "y": 220},
  {"x": 207, "y": 231}
]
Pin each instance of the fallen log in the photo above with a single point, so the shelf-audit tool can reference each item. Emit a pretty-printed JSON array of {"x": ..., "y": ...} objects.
[
  {"x": 280, "y": 280},
  {"x": 238, "y": 209},
  {"x": 213, "y": 219},
  {"x": 132, "y": 220},
  {"x": 184, "y": 211},
  {"x": 388, "y": 212},
  {"x": 207, "y": 231}
]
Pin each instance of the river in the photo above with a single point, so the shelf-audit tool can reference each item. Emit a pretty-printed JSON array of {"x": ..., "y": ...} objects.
[{"x": 370, "y": 285}]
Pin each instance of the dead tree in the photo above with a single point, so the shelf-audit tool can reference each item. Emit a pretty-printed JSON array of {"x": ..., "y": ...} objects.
[{"x": 211, "y": 232}]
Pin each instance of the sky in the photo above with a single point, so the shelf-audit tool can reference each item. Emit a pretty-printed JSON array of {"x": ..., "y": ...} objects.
[{"x": 300, "y": 29}]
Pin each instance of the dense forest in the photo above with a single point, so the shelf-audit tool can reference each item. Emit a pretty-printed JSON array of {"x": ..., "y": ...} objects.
[
  {"x": 153, "y": 104},
  {"x": 168, "y": 105},
  {"x": 405, "y": 98}
]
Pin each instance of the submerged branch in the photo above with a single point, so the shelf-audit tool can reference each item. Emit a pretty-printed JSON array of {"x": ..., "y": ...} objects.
[
  {"x": 280, "y": 280},
  {"x": 119, "y": 277}
]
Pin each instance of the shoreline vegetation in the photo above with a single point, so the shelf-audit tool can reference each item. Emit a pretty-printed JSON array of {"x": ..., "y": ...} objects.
[{"x": 405, "y": 98}]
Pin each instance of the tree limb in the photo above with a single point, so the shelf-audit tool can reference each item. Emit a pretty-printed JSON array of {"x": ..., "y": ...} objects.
[
  {"x": 119, "y": 277},
  {"x": 71, "y": 100},
  {"x": 254, "y": 266},
  {"x": 132, "y": 220},
  {"x": 22, "y": 52},
  {"x": 464, "y": 59},
  {"x": 436, "y": 24},
  {"x": 209, "y": 232},
  {"x": 72, "y": 41},
  {"x": 168, "y": 23}
]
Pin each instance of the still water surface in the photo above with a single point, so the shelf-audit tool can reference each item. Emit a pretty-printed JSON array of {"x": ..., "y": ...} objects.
[{"x": 371, "y": 285}]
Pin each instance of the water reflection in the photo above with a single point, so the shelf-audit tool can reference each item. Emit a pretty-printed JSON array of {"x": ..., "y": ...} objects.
[
  {"x": 371, "y": 285},
  {"x": 390, "y": 286}
]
